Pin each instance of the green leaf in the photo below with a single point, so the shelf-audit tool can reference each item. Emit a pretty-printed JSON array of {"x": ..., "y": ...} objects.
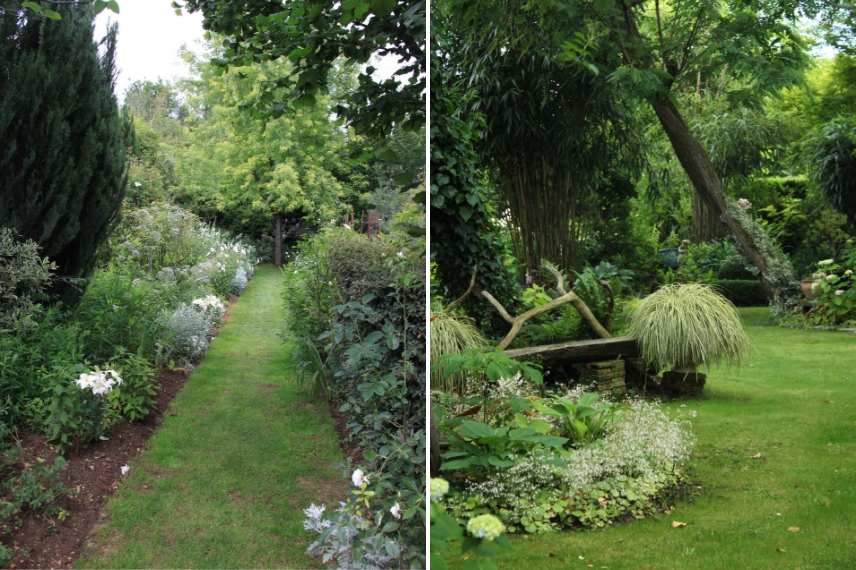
[{"x": 33, "y": 6}]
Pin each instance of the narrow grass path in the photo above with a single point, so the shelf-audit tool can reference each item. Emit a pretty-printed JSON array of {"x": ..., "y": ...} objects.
[
  {"x": 242, "y": 451},
  {"x": 794, "y": 403}
]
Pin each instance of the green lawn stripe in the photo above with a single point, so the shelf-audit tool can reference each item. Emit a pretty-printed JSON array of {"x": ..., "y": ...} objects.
[{"x": 241, "y": 452}]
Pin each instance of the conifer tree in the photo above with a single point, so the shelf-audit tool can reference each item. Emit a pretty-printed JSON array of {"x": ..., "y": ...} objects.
[{"x": 63, "y": 140}]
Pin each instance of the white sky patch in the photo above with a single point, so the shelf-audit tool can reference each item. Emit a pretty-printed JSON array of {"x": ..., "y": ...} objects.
[{"x": 150, "y": 37}]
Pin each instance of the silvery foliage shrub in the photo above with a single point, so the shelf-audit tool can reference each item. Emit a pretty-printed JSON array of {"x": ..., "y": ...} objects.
[
  {"x": 23, "y": 275},
  {"x": 643, "y": 451},
  {"x": 360, "y": 534},
  {"x": 346, "y": 539},
  {"x": 157, "y": 236},
  {"x": 187, "y": 333},
  {"x": 239, "y": 281}
]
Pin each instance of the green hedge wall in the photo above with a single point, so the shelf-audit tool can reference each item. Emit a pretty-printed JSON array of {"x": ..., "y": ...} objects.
[{"x": 742, "y": 292}]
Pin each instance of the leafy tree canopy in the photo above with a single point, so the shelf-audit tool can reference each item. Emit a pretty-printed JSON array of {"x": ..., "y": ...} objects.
[{"x": 313, "y": 35}]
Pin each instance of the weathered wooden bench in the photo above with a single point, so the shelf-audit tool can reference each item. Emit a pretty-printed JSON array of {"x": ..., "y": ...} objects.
[
  {"x": 580, "y": 351},
  {"x": 604, "y": 362}
]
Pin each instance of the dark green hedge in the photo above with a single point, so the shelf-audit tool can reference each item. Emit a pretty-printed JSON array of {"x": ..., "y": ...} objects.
[{"x": 742, "y": 292}]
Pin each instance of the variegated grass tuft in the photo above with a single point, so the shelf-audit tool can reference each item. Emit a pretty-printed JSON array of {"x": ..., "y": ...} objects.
[
  {"x": 680, "y": 327},
  {"x": 451, "y": 333}
]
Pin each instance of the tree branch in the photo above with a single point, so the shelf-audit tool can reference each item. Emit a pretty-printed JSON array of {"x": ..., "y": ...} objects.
[{"x": 466, "y": 293}]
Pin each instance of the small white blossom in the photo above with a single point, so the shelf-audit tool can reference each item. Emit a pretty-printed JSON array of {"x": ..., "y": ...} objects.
[
  {"x": 124, "y": 469},
  {"x": 359, "y": 478},
  {"x": 824, "y": 262},
  {"x": 395, "y": 511},
  {"x": 744, "y": 204},
  {"x": 839, "y": 292}
]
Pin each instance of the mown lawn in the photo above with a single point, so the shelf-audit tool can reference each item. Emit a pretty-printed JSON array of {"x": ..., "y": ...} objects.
[
  {"x": 242, "y": 451},
  {"x": 794, "y": 403}
]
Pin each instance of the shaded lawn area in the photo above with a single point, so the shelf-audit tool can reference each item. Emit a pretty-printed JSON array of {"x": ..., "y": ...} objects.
[
  {"x": 794, "y": 402},
  {"x": 241, "y": 452}
]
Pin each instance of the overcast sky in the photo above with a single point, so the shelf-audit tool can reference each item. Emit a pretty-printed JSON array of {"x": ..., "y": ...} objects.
[{"x": 151, "y": 35}]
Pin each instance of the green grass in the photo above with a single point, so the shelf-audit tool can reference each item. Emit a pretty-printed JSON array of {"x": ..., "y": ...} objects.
[
  {"x": 241, "y": 452},
  {"x": 794, "y": 402}
]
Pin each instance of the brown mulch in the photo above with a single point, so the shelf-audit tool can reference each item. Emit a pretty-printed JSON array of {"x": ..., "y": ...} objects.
[
  {"x": 349, "y": 448},
  {"x": 92, "y": 474}
]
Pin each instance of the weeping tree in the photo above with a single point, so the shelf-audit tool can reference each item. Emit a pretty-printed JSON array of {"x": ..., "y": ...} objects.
[
  {"x": 63, "y": 141},
  {"x": 553, "y": 138}
]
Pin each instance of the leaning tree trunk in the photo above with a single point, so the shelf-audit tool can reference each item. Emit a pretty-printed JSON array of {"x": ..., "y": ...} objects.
[
  {"x": 706, "y": 224},
  {"x": 277, "y": 241},
  {"x": 702, "y": 174}
]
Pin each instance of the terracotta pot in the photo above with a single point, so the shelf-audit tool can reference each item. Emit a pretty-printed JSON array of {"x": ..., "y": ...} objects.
[{"x": 807, "y": 286}]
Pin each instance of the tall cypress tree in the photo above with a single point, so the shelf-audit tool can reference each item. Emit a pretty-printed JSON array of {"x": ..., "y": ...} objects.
[{"x": 63, "y": 141}]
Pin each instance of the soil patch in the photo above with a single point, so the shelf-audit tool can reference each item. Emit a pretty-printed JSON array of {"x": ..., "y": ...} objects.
[{"x": 350, "y": 448}]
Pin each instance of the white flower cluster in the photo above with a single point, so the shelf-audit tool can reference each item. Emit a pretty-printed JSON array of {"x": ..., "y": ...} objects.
[
  {"x": 642, "y": 443},
  {"x": 98, "y": 382},
  {"x": 212, "y": 305},
  {"x": 508, "y": 387}
]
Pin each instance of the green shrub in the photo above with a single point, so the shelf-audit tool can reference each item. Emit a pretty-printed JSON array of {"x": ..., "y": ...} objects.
[
  {"x": 26, "y": 352},
  {"x": 27, "y": 487},
  {"x": 24, "y": 276},
  {"x": 119, "y": 310},
  {"x": 742, "y": 292},
  {"x": 75, "y": 416},
  {"x": 683, "y": 326},
  {"x": 137, "y": 395},
  {"x": 361, "y": 302}
]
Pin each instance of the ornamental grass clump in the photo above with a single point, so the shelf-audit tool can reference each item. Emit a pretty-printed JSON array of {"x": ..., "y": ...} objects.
[
  {"x": 680, "y": 327},
  {"x": 451, "y": 334}
]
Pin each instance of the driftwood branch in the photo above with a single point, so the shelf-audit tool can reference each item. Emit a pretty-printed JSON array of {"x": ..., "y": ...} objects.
[{"x": 564, "y": 298}]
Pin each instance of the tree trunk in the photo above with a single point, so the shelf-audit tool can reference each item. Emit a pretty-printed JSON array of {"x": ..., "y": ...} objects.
[
  {"x": 706, "y": 224},
  {"x": 698, "y": 167},
  {"x": 277, "y": 241}
]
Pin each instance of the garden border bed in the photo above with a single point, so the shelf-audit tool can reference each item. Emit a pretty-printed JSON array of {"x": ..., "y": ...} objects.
[{"x": 92, "y": 474}]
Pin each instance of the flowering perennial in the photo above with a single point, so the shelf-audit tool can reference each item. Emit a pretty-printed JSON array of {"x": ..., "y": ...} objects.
[{"x": 99, "y": 383}]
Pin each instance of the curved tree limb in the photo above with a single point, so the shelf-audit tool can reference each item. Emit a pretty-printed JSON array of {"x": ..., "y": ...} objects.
[
  {"x": 518, "y": 321},
  {"x": 465, "y": 294}
]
